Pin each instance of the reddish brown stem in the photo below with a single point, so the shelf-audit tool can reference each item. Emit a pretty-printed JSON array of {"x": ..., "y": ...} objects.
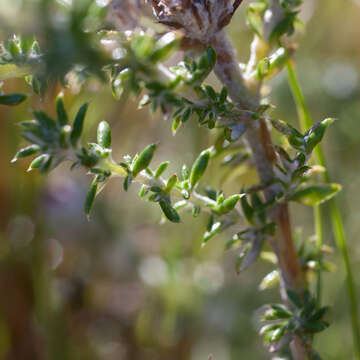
[{"x": 259, "y": 140}]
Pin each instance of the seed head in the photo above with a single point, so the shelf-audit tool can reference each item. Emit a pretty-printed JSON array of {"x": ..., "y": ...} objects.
[{"x": 200, "y": 20}]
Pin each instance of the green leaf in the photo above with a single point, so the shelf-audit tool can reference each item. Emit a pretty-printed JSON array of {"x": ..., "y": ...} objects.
[
  {"x": 142, "y": 191},
  {"x": 316, "y": 133},
  {"x": 26, "y": 44},
  {"x": 171, "y": 183},
  {"x": 160, "y": 170},
  {"x": 45, "y": 120},
  {"x": 223, "y": 94},
  {"x": 249, "y": 254},
  {"x": 164, "y": 46},
  {"x": 290, "y": 3},
  {"x": 196, "y": 211},
  {"x": 248, "y": 210},
  {"x": 214, "y": 229},
  {"x": 270, "y": 280},
  {"x": 263, "y": 68},
  {"x": 278, "y": 60},
  {"x": 258, "y": 206},
  {"x": 281, "y": 311},
  {"x": 315, "y": 326},
  {"x": 27, "y": 151},
  {"x": 64, "y": 136},
  {"x": 286, "y": 25},
  {"x": 269, "y": 327},
  {"x": 127, "y": 182},
  {"x": 294, "y": 298},
  {"x": 185, "y": 172},
  {"x": 319, "y": 314},
  {"x": 208, "y": 59},
  {"x": 175, "y": 125},
  {"x": 186, "y": 114},
  {"x": 12, "y": 99},
  {"x": 285, "y": 128},
  {"x": 144, "y": 159},
  {"x": 316, "y": 194},
  {"x": 60, "y": 110},
  {"x": 169, "y": 211},
  {"x": 78, "y": 125},
  {"x": 104, "y": 135},
  {"x": 180, "y": 204},
  {"x": 228, "y": 204},
  {"x": 206, "y": 64},
  {"x": 199, "y": 167},
  {"x": 39, "y": 161},
  {"x": 91, "y": 196},
  {"x": 278, "y": 334}
]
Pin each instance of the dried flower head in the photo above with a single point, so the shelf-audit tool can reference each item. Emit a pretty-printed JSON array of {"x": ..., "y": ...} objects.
[{"x": 199, "y": 19}]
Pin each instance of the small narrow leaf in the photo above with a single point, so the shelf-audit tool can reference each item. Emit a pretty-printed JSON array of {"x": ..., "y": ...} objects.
[
  {"x": 248, "y": 211},
  {"x": 171, "y": 183},
  {"x": 27, "y": 151},
  {"x": 228, "y": 204},
  {"x": 281, "y": 311},
  {"x": 270, "y": 280},
  {"x": 249, "y": 254},
  {"x": 316, "y": 133},
  {"x": 315, "y": 326},
  {"x": 127, "y": 182},
  {"x": 12, "y": 99},
  {"x": 185, "y": 172},
  {"x": 199, "y": 167},
  {"x": 161, "y": 169},
  {"x": 196, "y": 211},
  {"x": 175, "y": 125},
  {"x": 294, "y": 298},
  {"x": 142, "y": 191},
  {"x": 104, "y": 134},
  {"x": 269, "y": 327},
  {"x": 169, "y": 211},
  {"x": 91, "y": 197},
  {"x": 144, "y": 159},
  {"x": 45, "y": 120},
  {"x": 38, "y": 162},
  {"x": 316, "y": 194},
  {"x": 62, "y": 116},
  {"x": 164, "y": 46},
  {"x": 214, "y": 229},
  {"x": 78, "y": 125},
  {"x": 318, "y": 315}
]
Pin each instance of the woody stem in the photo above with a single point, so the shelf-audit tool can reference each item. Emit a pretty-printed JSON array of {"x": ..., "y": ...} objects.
[{"x": 259, "y": 140}]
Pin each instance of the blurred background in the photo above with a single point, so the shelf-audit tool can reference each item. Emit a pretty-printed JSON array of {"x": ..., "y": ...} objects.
[{"x": 121, "y": 286}]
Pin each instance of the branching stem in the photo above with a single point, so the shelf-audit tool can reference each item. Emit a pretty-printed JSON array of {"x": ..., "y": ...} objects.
[{"x": 259, "y": 140}]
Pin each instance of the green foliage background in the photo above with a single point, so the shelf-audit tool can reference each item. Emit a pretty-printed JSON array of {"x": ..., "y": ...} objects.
[{"x": 123, "y": 287}]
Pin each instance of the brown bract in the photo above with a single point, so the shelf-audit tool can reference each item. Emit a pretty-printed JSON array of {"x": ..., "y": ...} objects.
[{"x": 200, "y": 20}]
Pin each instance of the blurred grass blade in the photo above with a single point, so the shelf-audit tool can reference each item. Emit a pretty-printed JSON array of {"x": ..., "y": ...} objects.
[{"x": 306, "y": 122}]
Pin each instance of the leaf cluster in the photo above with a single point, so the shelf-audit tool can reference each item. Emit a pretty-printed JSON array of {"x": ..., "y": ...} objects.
[{"x": 302, "y": 319}]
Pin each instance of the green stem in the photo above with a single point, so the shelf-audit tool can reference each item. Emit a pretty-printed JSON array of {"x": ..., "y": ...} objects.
[
  {"x": 306, "y": 122},
  {"x": 319, "y": 245},
  {"x": 338, "y": 225}
]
